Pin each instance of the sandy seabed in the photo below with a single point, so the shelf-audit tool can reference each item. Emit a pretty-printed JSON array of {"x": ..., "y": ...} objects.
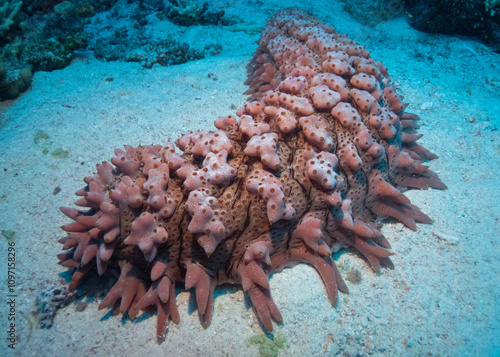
[{"x": 442, "y": 298}]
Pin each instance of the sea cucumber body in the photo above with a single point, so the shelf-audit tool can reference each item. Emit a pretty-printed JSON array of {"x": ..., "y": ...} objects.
[{"x": 322, "y": 149}]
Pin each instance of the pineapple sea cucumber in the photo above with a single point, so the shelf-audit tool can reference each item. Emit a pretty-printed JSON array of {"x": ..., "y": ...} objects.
[{"x": 322, "y": 148}]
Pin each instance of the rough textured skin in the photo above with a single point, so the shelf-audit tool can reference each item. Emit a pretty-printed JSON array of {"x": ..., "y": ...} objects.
[{"x": 322, "y": 149}]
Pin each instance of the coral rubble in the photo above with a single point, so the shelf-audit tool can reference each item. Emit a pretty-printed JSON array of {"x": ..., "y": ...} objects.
[{"x": 322, "y": 149}]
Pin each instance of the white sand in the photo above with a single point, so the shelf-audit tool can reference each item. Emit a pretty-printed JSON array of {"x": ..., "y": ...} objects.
[{"x": 440, "y": 300}]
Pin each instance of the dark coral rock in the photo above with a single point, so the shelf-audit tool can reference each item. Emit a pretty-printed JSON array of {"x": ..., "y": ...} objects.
[
  {"x": 13, "y": 81},
  {"x": 85, "y": 10},
  {"x": 47, "y": 6},
  {"x": 45, "y": 42},
  {"x": 372, "y": 12},
  {"x": 456, "y": 17},
  {"x": 186, "y": 13}
]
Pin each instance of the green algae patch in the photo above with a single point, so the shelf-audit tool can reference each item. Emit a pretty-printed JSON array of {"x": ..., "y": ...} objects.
[
  {"x": 267, "y": 347},
  {"x": 40, "y": 135},
  {"x": 46, "y": 145},
  {"x": 60, "y": 153},
  {"x": 8, "y": 234}
]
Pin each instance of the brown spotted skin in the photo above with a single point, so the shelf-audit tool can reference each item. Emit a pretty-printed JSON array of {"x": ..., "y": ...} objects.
[{"x": 321, "y": 150}]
